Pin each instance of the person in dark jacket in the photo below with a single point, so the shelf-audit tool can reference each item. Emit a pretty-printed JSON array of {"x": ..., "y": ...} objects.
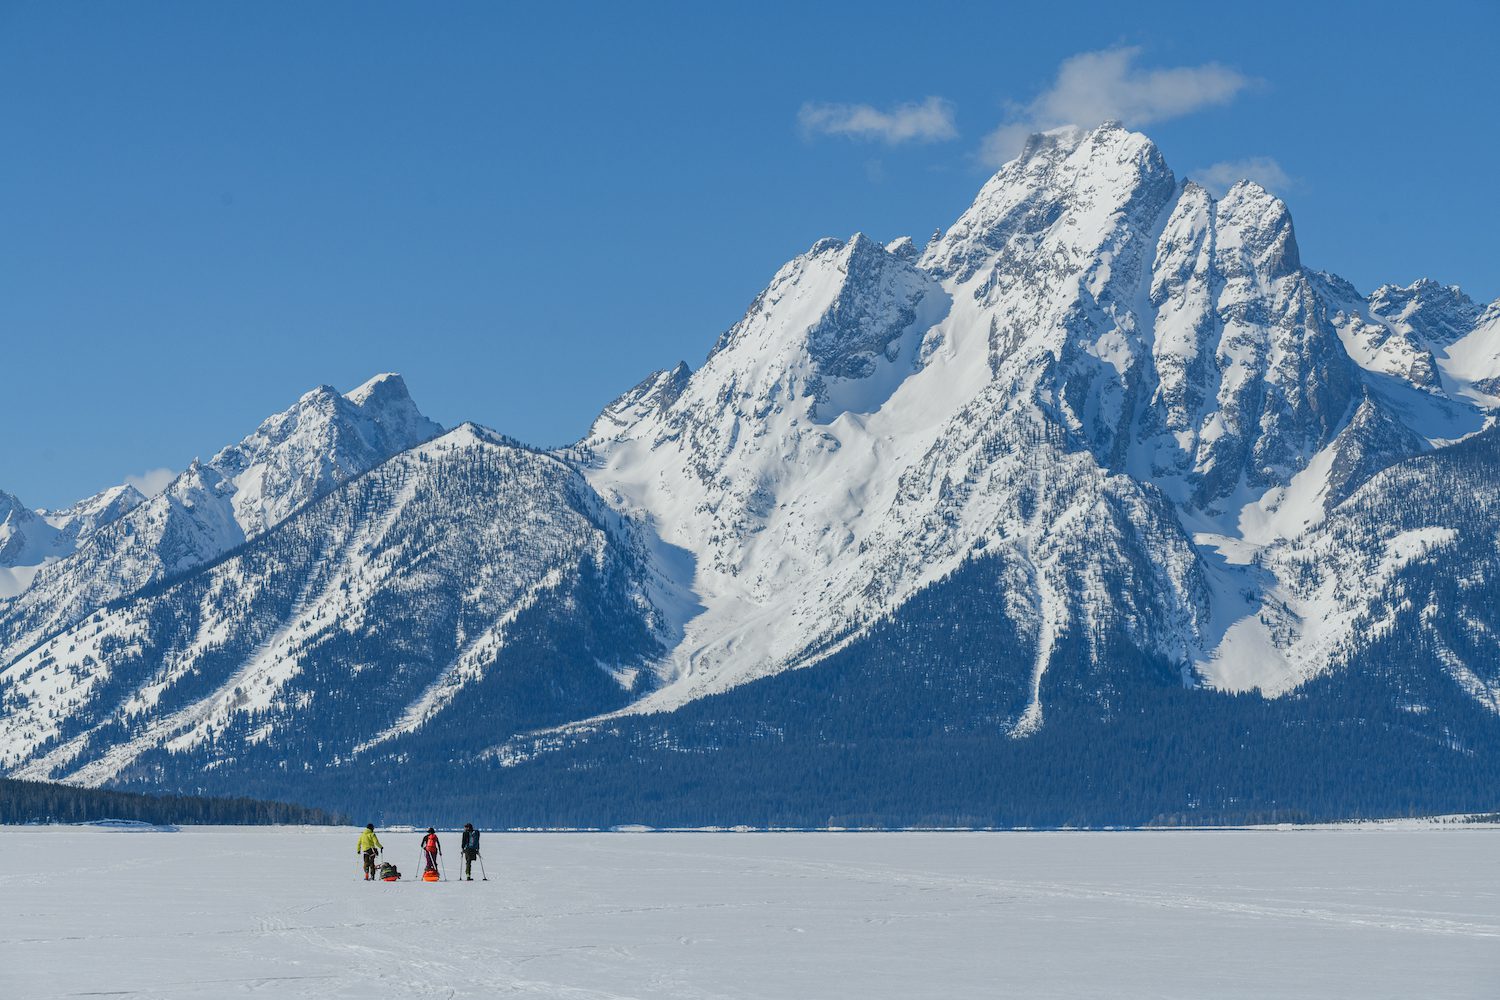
[
  {"x": 432, "y": 848},
  {"x": 470, "y": 849}
]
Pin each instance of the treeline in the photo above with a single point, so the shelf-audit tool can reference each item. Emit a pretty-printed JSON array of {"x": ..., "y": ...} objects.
[{"x": 48, "y": 802}]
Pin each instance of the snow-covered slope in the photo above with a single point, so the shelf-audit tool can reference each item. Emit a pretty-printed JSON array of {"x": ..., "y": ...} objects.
[
  {"x": 293, "y": 457},
  {"x": 403, "y": 595},
  {"x": 1413, "y": 550}
]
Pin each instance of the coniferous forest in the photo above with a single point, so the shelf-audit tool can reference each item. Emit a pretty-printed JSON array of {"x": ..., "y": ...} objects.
[{"x": 50, "y": 802}]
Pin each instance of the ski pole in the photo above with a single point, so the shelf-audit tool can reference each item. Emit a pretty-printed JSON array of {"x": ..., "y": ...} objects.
[
  {"x": 444, "y": 865},
  {"x": 480, "y": 858}
]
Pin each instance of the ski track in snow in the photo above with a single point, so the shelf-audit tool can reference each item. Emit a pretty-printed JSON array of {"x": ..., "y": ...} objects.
[{"x": 281, "y": 912}]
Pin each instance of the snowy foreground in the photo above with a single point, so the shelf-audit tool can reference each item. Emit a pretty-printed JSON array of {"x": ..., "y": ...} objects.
[{"x": 1361, "y": 912}]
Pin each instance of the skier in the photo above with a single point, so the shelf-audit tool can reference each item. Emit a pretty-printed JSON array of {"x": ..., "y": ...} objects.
[
  {"x": 469, "y": 847},
  {"x": 432, "y": 849},
  {"x": 369, "y": 846}
]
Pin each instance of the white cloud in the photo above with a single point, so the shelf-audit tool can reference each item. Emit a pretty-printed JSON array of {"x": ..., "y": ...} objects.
[
  {"x": 1093, "y": 87},
  {"x": 1263, "y": 170},
  {"x": 929, "y": 121},
  {"x": 152, "y": 481}
]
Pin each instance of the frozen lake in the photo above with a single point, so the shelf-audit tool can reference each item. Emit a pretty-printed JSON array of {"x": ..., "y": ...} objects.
[{"x": 219, "y": 912}]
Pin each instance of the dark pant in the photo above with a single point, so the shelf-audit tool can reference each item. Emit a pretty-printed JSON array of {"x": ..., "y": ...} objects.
[
  {"x": 370, "y": 863},
  {"x": 469, "y": 857},
  {"x": 432, "y": 859}
]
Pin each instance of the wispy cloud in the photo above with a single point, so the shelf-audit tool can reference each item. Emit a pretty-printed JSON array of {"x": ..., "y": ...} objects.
[
  {"x": 928, "y": 121},
  {"x": 152, "y": 481},
  {"x": 1093, "y": 87},
  {"x": 1263, "y": 170}
]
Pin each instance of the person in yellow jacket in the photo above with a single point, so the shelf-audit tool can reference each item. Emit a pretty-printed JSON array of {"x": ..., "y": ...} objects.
[{"x": 369, "y": 846}]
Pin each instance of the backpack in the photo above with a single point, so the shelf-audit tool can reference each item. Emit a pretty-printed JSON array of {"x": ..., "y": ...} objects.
[
  {"x": 471, "y": 841},
  {"x": 430, "y": 842},
  {"x": 389, "y": 873}
]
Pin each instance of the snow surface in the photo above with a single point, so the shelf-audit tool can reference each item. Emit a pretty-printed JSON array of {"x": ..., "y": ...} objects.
[{"x": 281, "y": 912}]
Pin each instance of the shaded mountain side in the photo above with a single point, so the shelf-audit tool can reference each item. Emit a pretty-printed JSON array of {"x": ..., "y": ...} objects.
[
  {"x": 49, "y": 802},
  {"x": 394, "y": 600},
  {"x": 904, "y": 729},
  {"x": 548, "y": 668}
]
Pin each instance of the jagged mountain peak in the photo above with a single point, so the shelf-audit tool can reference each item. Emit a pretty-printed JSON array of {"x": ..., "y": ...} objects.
[
  {"x": 1335, "y": 287},
  {"x": 827, "y": 314},
  {"x": 1429, "y": 336},
  {"x": 650, "y": 396},
  {"x": 1258, "y": 225},
  {"x": 355, "y": 592},
  {"x": 387, "y": 386},
  {"x": 1439, "y": 314},
  {"x": 320, "y": 441},
  {"x": 841, "y": 249},
  {"x": 9, "y": 503},
  {"x": 903, "y": 247},
  {"x": 1078, "y": 193},
  {"x": 384, "y": 394},
  {"x": 80, "y": 520},
  {"x": 121, "y": 493},
  {"x": 470, "y": 434}
]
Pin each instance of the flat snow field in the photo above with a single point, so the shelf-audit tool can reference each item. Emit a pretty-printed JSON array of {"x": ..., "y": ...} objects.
[{"x": 282, "y": 912}]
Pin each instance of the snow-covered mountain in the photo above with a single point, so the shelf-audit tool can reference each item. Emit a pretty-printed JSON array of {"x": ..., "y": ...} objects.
[
  {"x": 1099, "y": 373},
  {"x": 26, "y": 539},
  {"x": 1115, "y": 419},
  {"x": 31, "y": 539},
  {"x": 405, "y": 599},
  {"x": 211, "y": 507}
]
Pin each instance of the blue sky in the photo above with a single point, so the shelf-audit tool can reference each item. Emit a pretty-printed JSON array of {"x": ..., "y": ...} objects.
[{"x": 206, "y": 209}]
